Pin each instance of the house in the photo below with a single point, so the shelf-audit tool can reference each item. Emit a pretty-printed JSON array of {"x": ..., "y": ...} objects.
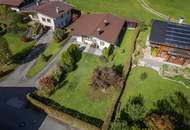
[
  {"x": 98, "y": 30},
  {"x": 171, "y": 41},
  {"x": 15, "y": 5},
  {"x": 52, "y": 14}
]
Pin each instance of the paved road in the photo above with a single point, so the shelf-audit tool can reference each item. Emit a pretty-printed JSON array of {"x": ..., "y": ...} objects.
[{"x": 16, "y": 113}]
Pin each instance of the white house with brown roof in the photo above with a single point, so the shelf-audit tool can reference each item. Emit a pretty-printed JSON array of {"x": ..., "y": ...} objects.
[
  {"x": 53, "y": 14},
  {"x": 15, "y": 5},
  {"x": 98, "y": 30}
]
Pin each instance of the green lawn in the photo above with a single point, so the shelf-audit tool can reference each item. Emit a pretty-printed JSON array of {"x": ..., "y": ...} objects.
[
  {"x": 77, "y": 94},
  {"x": 126, "y": 8},
  {"x": 15, "y": 43},
  {"x": 154, "y": 87},
  {"x": 40, "y": 63},
  {"x": 126, "y": 47},
  {"x": 173, "y": 8}
]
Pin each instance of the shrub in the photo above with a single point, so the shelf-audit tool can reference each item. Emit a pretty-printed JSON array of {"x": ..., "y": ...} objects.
[
  {"x": 143, "y": 76},
  {"x": 134, "y": 110},
  {"x": 5, "y": 53},
  {"x": 3, "y": 29},
  {"x": 142, "y": 26},
  {"x": 157, "y": 122},
  {"x": 107, "y": 52},
  {"x": 37, "y": 28},
  {"x": 106, "y": 77},
  {"x": 45, "y": 86},
  {"x": 60, "y": 35},
  {"x": 45, "y": 58},
  {"x": 70, "y": 57}
]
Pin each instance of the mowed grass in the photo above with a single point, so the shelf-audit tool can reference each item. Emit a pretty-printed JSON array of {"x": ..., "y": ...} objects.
[
  {"x": 125, "y": 8},
  {"x": 15, "y": 43},
  {"x": 153, "y": 88},
  {"x": 77, "y": 93},
  {"x": 52, "y": 49},
  {"x": 126, "y": 47},
  {"x": 172, "y": 8}
]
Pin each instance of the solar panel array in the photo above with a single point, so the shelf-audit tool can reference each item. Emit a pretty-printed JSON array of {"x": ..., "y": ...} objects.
[{"x": 178, "y": 35}]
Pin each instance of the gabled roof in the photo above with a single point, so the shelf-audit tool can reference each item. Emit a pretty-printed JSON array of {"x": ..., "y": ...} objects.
[
  {"x": 91, "y": 24},
  {"x": 15, "y": 3},
  {"x": 48, "y": 8},
  {"x": 170, "y": 34}
]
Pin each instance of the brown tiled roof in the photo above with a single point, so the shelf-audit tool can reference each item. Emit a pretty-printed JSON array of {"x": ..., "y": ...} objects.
[
  {"x": 49, "y": 8},
  {"x": 11, "y": 2},
  {"x": 89, "y": 24}
]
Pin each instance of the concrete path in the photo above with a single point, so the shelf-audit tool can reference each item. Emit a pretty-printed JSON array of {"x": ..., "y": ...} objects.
[{"x": 155, "y": 12}]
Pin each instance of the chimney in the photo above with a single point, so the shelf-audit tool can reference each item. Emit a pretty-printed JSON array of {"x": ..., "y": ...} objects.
[
  {"x": 100, "y": 31},
  {"x": 57, "y": 10},
  {"x": 37, "y": 2},
  {"x": 106, "y": 22},
  {"x": 181, "y": 19}
]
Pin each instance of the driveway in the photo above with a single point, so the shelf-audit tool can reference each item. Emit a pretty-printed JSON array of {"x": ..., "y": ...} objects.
[{"x": 18, "y": 76}]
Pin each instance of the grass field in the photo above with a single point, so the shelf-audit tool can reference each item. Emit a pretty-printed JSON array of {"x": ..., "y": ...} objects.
[
  {"x": 40, "y": 63},
  {"x": 126, "y": 8},
  {"x": 172, "y": 8},
  {"x": 15, "y": 43},
  {"x": 77, "y": 94},
  {"x": 154, "y": 87},
  {"x": 127, "y": 45}
]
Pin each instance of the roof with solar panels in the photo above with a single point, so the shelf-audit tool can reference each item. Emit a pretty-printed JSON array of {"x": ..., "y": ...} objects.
[{"x": 170, "y": 34}]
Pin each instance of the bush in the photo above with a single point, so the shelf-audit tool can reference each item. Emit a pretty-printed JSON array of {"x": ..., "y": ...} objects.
[
  {"x": 60, "y": 35},
  {"x": 106, "y": 77},
  {"x": 5, "y": 52},
  {"x": 70, "y": 57},
  {"x": 91, "y": 120},
  {"x": 37, "y": 28},
  {"x": 45, "y": 86},
  {"x": 3, "y": 29},
  {"x": 143, "y": 76},
  {"x": 107, "y": 52}
]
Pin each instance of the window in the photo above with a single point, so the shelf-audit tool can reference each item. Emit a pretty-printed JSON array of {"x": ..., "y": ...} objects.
[
  {"x": 102, "y": 43},
  {"x": 43, "y": 19},
  {"x": 49, "y": 20}
]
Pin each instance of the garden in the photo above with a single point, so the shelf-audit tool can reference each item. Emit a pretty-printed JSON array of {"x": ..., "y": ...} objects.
[
  {"x": 60, "y": 38},
  {"x": 87, "y": 85},
  {"x": 148, "y": 97},
  {"x": 13, "y": 47}
]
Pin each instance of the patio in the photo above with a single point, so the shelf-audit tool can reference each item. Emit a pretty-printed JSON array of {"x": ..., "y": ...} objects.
[{"x": 87, "y": 48}]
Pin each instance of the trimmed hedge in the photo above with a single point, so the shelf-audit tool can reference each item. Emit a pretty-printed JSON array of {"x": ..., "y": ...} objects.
[{"x": 91, "y": 120}]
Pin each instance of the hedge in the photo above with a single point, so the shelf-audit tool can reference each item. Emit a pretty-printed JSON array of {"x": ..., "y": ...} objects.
[{"x": 91, "y": 120}]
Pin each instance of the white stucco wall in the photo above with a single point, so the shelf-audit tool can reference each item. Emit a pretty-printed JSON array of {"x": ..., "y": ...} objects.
[
  {"x": 61, "y": 21},
  {"x": 15, "y": 9},
  {"x": 92, "y": 40},
  {"x": 46, "y": 23}
]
